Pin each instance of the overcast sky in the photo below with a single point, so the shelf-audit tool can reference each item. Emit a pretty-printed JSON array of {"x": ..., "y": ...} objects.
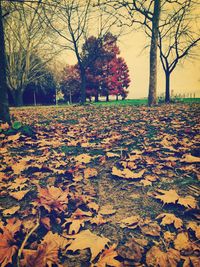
[{"x": 184, "y": 79}]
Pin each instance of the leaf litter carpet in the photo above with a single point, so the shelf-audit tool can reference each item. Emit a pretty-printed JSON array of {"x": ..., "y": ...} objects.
[{"x": 101, "y": 186}]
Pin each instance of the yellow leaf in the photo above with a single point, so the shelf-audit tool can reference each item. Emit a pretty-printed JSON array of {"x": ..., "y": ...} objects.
[
  {"x": 90, "y": 172},
  {"x": 188, "y": 202},
  {"x": 14, "y": 137},
  {"x": 11, "y": 211},
  {"x": 87, "y": 239},
  {"x": 167, "y": 196},
  {"x": 155, "y": 257},
  {"x": 107, "y": 258},
  {"x": 130, "y": 222},
  {"x": 168, "y": 218},
  {"x": 19, "y": 194},
  {"x": 107, "y": 210},
  {"x": 188, "y": 158},
  {"x": 127, "y": 174},
  {"x": 194, "y": 227},
  {"x": 83, "y": 158}
]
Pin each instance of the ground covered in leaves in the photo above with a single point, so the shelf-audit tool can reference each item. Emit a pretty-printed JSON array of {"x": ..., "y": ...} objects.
[{"x": 100, "y": 186}]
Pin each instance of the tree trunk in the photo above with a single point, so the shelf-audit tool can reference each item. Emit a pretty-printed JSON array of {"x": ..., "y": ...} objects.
[
  {"x": 153, "y": 54},
  {"x": 96, "y": 97},
  {"x": 107, "y": 98},
  {"x": 167, "y": 87},
  {"x": 117, "y": 97},
  {"x": 83, "y": 85},
  {"x": 4, "y": 107},
  {"x": 18, "y": 98}
]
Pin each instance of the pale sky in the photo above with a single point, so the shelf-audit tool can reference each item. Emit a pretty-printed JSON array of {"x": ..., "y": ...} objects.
[{"x": 184, "y": 79}]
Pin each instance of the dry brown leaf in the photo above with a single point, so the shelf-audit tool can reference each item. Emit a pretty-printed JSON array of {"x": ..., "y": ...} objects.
[
  {"x": 191, "y": 261},
  {"x": 107, "y": 210},
  {"x": 90, "y": 172},
  {"x": 112, "y": 155},
  {"x": 184, "y": 245},
  {"x": 57, "y": 240},
  {"x": 150, "y": 228},
  {"x": 188, "y": 202},
  {"x": 130, "y": 222},
  {"x": 52, "y": 198},
  {"x": 46, "y": 222},
  {"x": 19, "y": 167},
  {"x": 169, "y": 218},
  {"x": 167, "y": 196},
  {"x": 155, "y": 257},
  {"x": 8, "y": 245},
  {"x": 93, "y": 206},
  {"x": 168, "y": 236},
  {"x": 194, "y": 227},
  {"x": 19, "y": 195},
  {"x": 75, "y": 225},
  {"x": 132, "y": 250},
  {"x": 83, "y": 158},
  {"x": 188, "y": 158},
  {"x": 7, "y": 248},
  {"x": 107, "y": 258},
  {"x": 14, "y": 137},
  {"x": 18, "y": 183},
  {"x": 45, "y": 255},
  {"x": 127, "y": 174},
  {"x": 87, "y": 239},
  {"x": 4, "y": 126},
  {"x": 98, "y": 220},
  {"x": 11, "y": 210}
]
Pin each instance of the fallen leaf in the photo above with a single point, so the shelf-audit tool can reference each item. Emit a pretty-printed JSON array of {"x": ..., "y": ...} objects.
[
  {"x": 107, "y": 258},
  {"x": 86, "y": 239},
  {"x": 194, "y": 227},
  {"x": 184, "y": 245},
  {"x": 188, "y": 158},
  {"x": 132, "y": 250},
  {"x": 191, "y": 261},
  {"x": 90, "y": 172},
  {"x": 112, "y": 155},
  {"x": 19, "y": 167},
  {"x": 150, "y": 228},
  {"x": 11, "y": 210},
  {"x": 14, "y": 137},
  {"x": 19, "y": 195},
  {"x": 188, "y": 202},
  {"x": 52, "y": 198},
  {"x": 155, "y": 257},
  {"x": 169, "y": 218},
  {"x": 107, "y": 210},
  {"x": 130, "y": 222},
  {"x": 167, "y": 196},
  {"x": 83, "y": 158},
  {"x": 127, "y": 174}
]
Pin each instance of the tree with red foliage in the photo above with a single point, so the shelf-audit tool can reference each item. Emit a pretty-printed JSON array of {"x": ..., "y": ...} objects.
[
  {"x": 71, "y": 83},
  {"x": 106, "y": 74}
]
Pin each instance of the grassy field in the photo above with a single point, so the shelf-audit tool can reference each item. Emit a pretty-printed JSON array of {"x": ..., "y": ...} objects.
[{"x": 136, "y": 102}]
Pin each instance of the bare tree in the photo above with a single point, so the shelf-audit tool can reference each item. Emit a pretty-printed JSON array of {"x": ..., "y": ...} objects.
[
  {"x": 4, "y": 109},
  {"x": 146, "y": 14},
  {"x": 27, "y": 47},
  {"x": 178, "y": 35},
  {"x": 74, "y": 22}
]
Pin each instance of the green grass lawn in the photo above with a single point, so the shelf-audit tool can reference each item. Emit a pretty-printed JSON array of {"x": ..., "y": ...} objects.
[{"x": 143, "y": 101}]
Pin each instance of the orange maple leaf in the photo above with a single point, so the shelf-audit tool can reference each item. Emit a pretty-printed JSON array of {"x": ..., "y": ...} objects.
[
  {"x": 52, "y": 198},
  {"x": 8, "y": 245}
]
